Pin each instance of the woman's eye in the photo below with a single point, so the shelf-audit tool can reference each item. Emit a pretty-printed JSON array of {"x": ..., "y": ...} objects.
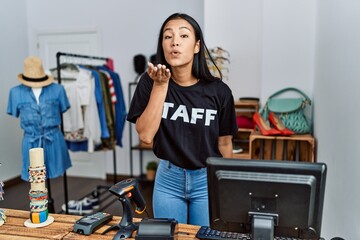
[
  {"x": 167, "y": 37},
  {"x": 184, "y": 36}
]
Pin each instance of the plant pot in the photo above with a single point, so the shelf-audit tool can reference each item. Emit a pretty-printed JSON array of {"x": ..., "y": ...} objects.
[{"x": 150, "y": 175}]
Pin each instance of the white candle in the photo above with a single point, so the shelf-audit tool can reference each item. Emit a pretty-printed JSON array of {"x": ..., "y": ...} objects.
[{"x": 36, "y": 157}]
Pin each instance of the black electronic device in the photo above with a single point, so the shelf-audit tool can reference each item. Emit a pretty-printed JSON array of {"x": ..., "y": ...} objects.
[
  {"x": 125, "y": 190},
  {"x": 206, "y": 232},
  {"x": 156, "y": 229},
  {"x": 129, "y": 188},
  {"x": 266, "y": 198},
  {"x": 88, "y": 224}
]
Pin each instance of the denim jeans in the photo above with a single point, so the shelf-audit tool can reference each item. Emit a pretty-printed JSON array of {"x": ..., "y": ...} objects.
[{"x": 181, "y": 194}]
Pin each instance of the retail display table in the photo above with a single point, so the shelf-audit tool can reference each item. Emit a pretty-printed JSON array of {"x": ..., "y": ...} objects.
[{"x": 62, "y": 226}]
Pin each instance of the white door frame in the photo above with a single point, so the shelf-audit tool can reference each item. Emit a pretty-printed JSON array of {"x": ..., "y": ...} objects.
[{"x": 85, "y": 42}]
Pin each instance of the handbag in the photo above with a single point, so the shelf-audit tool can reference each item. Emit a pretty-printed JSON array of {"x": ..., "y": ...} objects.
[{"x": 289, "y": 110}]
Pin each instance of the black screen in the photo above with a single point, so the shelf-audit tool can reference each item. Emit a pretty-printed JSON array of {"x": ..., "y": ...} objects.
[{"x": 291, "y": 193}]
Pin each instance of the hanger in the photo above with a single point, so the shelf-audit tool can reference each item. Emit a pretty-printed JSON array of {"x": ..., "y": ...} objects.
[
  {"x": 69, "y": 66},
  {"x": 65, "y": 66}
]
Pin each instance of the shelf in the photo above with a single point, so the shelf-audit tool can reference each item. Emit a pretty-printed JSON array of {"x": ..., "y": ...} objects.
[
  {"x": 243, "y": 155},
  {"x": 247, "y": 104},
  {"x": 292, "y": 148},
  {"x": 246, "y": 130},
  {"x": 247, "y": 109}
]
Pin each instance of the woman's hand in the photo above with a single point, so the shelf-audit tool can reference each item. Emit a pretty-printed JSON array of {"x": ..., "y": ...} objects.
[
  {"x": 149, "y": 121},
  {"x": 159, "y": 73}
]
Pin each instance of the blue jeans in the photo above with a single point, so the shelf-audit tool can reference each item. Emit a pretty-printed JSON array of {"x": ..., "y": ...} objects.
[{"x": 181, "y": 194}]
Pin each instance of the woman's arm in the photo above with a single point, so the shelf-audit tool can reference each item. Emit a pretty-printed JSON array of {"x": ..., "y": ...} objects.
[
  {"x": 225, "y": 146},
  {"x": 149, "y": 121}
]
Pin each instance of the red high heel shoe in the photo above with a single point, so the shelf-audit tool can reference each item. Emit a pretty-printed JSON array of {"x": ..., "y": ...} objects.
[
  {"x": 264, "y": 127},
  {"x": 279, "y": 125}
]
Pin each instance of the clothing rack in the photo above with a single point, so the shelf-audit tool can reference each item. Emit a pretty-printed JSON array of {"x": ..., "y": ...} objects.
[{"x": 97, "y": 192}]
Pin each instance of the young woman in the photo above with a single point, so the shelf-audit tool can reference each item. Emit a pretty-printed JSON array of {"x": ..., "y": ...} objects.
[{"x": 188, "y": 115}]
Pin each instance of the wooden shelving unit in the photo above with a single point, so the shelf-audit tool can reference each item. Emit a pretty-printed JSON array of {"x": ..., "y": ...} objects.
[
  {"x": 244, "y": 108},
  {"x": 292, "y": 148}
]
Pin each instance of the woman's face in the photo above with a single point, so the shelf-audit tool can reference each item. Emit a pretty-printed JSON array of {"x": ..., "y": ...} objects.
[{"x": 179, "y": 43}]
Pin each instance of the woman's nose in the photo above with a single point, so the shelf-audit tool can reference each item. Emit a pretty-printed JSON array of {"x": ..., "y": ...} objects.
[{"x": 175, "y": 42}]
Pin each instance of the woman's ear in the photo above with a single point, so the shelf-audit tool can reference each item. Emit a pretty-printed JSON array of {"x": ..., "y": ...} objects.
[{"x": 197, "y": 47}]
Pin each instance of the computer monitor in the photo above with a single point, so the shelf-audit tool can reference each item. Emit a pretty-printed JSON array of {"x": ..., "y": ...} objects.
[{"x": 266, "y": 198}]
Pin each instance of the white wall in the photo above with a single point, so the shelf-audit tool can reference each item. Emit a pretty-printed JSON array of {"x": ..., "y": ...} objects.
[
  {"x": 13, "y": 50},
  {"x": 236, "y": 26},
  {"x": 288, "y": 46},
  {"x": 336, "y": 95},
  {"x": 271, "y": 43}
]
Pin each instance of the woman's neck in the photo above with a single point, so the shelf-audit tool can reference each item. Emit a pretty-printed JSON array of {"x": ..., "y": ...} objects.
[{"x": 183, "y": 78}]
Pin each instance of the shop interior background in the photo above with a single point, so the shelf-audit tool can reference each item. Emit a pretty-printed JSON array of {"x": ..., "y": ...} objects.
[{"x": 313, "y": 45}]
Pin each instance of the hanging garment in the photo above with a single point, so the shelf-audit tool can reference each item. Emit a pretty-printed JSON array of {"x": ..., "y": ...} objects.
[
  {"x": 120, "y": 107},
  {"x": 81, "y": 122},
  {"x": 107, "y": 143},
  {"x": 40, "y": 123},
  {"x": 100, "y": 102}
]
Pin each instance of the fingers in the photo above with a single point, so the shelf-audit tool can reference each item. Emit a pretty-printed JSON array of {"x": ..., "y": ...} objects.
[
  {"x": 159, "y": 72},
  {"x": 162, "y": 70},
  {"x": 150, "y": 68}
]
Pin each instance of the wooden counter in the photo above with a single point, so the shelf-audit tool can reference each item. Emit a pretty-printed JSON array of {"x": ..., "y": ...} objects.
[{"x": 62, "y": 226}]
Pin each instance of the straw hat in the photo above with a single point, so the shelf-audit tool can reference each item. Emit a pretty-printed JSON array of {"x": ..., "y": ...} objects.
[{"x": 34, "y": 74}]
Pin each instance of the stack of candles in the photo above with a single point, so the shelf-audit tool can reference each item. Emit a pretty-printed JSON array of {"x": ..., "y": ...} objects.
[{"x": 38, "y": 193}]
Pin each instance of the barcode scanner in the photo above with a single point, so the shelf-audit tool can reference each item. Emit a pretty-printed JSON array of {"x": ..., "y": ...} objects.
[
  {"x": 126, "y": 190},
  {"x": 129, "y": 188}
]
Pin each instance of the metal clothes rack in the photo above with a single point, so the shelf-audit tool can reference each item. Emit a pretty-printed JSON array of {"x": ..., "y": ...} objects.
[{"x": 99, "y": 187}]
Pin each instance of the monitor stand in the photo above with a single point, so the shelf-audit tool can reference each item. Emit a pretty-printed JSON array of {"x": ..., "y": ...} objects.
[{"x": 263, "y": 226}]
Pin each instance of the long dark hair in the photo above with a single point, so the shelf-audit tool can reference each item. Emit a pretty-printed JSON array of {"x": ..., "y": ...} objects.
[{"x": 200, "y": 68}]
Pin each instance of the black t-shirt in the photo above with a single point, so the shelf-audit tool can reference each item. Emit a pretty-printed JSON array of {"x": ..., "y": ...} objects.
[{"x": 193, "y": 119}]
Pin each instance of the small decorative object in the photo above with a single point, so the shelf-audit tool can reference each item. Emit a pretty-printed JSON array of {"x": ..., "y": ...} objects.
[
  {"x": 290, "y": 111},
  {"x": 151, "y": 168},
  {"x": 221, "y": 58},
  {"x": 2, "y": 212},
  {"x": 38, "y": 194}
]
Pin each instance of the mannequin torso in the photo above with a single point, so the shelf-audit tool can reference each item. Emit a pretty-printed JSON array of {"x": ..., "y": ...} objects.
[{"x": 37, "y": 92}]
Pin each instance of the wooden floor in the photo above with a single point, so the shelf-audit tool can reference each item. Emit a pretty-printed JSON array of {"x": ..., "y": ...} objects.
[{"x": 17, "y": 196}]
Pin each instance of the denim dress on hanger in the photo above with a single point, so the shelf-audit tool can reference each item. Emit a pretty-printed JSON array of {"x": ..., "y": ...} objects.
[{"x": 41, "y": 125}]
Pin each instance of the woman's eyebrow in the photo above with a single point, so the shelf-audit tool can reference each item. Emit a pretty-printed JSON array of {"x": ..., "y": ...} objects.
[{"x": 182, "y": 27}]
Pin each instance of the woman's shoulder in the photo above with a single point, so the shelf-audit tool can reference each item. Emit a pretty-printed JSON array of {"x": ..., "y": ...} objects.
[
  {"x": 218, "y": 84},
  {"x": 145, "y": 80},
  {"x": 145, "y": 77}
]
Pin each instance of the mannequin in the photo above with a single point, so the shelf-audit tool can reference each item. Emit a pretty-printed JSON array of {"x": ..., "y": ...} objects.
[
  {"x": 39, "y": 102},
  {"x": 37, "y": 92}
]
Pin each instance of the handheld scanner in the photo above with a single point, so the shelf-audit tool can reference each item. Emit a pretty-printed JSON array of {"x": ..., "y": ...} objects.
[{"x": 129, "y": 187}]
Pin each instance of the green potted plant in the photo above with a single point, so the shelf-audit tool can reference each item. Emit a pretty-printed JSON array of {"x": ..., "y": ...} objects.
[{"x": 151, "y": 170}]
